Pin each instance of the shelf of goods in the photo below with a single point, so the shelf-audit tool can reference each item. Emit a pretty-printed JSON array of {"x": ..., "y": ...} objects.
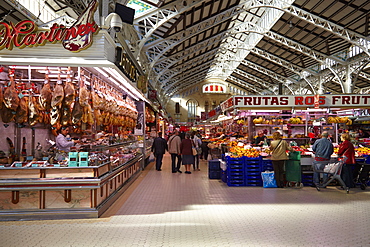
[
  {"x": 36, "y": 102},
  {"x": 84, "y": 188}
]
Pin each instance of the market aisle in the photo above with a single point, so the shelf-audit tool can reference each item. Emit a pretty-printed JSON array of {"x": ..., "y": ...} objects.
[{"x": 165, "y": 209}]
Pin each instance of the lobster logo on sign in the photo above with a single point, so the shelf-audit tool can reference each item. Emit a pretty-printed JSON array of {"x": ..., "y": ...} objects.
[{"x": 76, "y": 38}]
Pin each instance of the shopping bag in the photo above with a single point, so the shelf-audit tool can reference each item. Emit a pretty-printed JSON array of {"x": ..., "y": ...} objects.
[
  {"x": 331, "y": 167},
  {"x": 151, "y": 157},
  {"x": 209, "y": 157},
  {"x": 268, "y": 178},
  {"x": 194, "y": 151}
]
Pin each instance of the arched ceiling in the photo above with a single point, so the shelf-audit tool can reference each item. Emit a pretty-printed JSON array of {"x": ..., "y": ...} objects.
[
  {"x": 303, "y": 46},
  {"x": 307, "y": 46}
]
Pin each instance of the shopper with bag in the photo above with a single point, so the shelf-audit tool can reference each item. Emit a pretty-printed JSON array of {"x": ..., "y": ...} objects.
[
  {"x": 197, "y": 143},
  {"x": 278, "y": 157},
  {"x": 174, "y": 143},
  {"x": 186, "y": 149},
  {"x": 347, "y": 150}
]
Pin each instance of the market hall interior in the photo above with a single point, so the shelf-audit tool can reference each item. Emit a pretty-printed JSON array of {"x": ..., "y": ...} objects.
[{"x": 166, "y": 209}]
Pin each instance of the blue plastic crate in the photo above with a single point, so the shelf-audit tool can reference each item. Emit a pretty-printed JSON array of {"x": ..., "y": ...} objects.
[
  {"x": 214, "y": 165},
  {"x": 306, "y": 179},
  {"x": 253, "y": 169},
  {"x": 266, "y": 168},
  {"x": 255, "y": 184},
  {"x": 235, "y": 166},
  {"x": 214, "y": 174},
  {"x": 229, "y": 159},
  {"x": 253, "y": 158},
  {"x": 235, "y": 183},
  {"x": 237, "y": 173}
]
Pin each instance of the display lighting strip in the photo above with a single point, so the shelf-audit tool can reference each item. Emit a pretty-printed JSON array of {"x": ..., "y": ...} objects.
[
  {"x": 121, "y": 87},
  {"x": 316, "y": 110},
  {"x": 106, "y": 75},
  {"x": 127, "y": 85},
  {"x": 73, "y": 61}
]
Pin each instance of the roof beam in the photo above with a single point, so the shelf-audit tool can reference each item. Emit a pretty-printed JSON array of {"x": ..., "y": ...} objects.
[
  {"x": 159, "y": 47},
  {"x": 150, "y": 22}
]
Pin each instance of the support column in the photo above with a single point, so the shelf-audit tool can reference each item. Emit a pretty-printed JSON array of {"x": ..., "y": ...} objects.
[
  {"x": 320, "y": 89},
  {"x": 347, "y": 85}
]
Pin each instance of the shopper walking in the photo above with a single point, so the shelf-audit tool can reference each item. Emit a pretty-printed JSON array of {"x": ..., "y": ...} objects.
[
  {"x": 323, "y": 149},
  {"x": 159, "y": 148},
  {"x": 205, "y": 149},
  {"x": 174, "y": 143},
  {"x": 347, "y": 150},
  {"x": 187, "y": 153},
  {"x": 278, "y": 157},
  {"x": 197, "y": 142}
]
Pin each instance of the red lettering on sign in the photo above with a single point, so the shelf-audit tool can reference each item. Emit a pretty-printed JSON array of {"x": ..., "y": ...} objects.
[
  {"x": 322, "y": 100},
  {"x": 237, "y": 100},
  {"x": 274, "y": 101},
  {"x": 310, "y": 100},
  {"x": 345, "y": 100},
  {"x": 335, "y": 99},
  {"x": 356, "y": 100},
  {"x": 257, "y": 101},
  {"x": 298, "y": 100},
  {"x": 266, "y": 100},
  {"x": 230, "y": 102},
  {"x": 365, "y": 99},
  {"x": 247, "y": 100},
  {"x": 24, "y": 34},
  {"x": 284, "y": 101}
]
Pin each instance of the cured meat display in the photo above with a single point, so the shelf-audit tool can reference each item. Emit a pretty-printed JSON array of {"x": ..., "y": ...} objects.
[
  {"x": 33, "y": 111},
  {"x": 11, "y": 99},
  {"x": 65, "y": 99},
  {"x": 46, "y": 94}
]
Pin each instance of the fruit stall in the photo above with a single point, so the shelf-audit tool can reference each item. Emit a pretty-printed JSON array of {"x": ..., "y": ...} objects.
[
  {"x": 244, "y": 162},
  {"x": 298, "y": 119}
]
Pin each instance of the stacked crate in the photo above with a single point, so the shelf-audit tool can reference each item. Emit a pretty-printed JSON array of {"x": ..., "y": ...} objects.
[
  {"x": 307, "y": 172},
  {"x": 253, "y": 169},
  {"x": 267, "y": 165},
  {"x": 214, "y": 169},
  {"x": 235, "y": 171}
]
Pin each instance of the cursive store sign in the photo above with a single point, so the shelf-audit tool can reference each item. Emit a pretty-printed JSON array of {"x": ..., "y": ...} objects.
[
  {"x": 299, "y": 101},
  {"x": 75, "y": 38}
]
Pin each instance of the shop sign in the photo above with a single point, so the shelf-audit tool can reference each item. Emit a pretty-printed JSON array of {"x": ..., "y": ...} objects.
[
  {"x": 214, "y": 88},
  {"x": 125, "y": 64},
  {"x": 75, "y": 38},
  {"x": 299, "y": 101}
]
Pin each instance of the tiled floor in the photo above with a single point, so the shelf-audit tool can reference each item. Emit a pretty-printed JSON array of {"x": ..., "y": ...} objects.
[{"x": 165, "y": 209}]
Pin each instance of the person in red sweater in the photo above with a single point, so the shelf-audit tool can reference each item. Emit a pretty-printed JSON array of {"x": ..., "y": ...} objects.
[{"x": 347, "y": 149}]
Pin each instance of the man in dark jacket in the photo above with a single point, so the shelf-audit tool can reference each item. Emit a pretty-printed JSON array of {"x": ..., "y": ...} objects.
[{"x": 159, "y": 147}]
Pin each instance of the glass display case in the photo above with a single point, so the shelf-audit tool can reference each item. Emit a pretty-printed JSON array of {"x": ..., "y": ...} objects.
[{"x": 84, "y": 188}]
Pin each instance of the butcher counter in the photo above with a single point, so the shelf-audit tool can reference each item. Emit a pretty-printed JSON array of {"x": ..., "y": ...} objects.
[{"x": 34, "y": 193}]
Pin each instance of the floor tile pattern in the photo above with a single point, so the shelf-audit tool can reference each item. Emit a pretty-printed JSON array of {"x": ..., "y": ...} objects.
[{"x": 166, "y": 209}]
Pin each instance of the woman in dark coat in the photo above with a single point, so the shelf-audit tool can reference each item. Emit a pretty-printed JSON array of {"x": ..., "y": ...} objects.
[{"x": 187, "y": 153}]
